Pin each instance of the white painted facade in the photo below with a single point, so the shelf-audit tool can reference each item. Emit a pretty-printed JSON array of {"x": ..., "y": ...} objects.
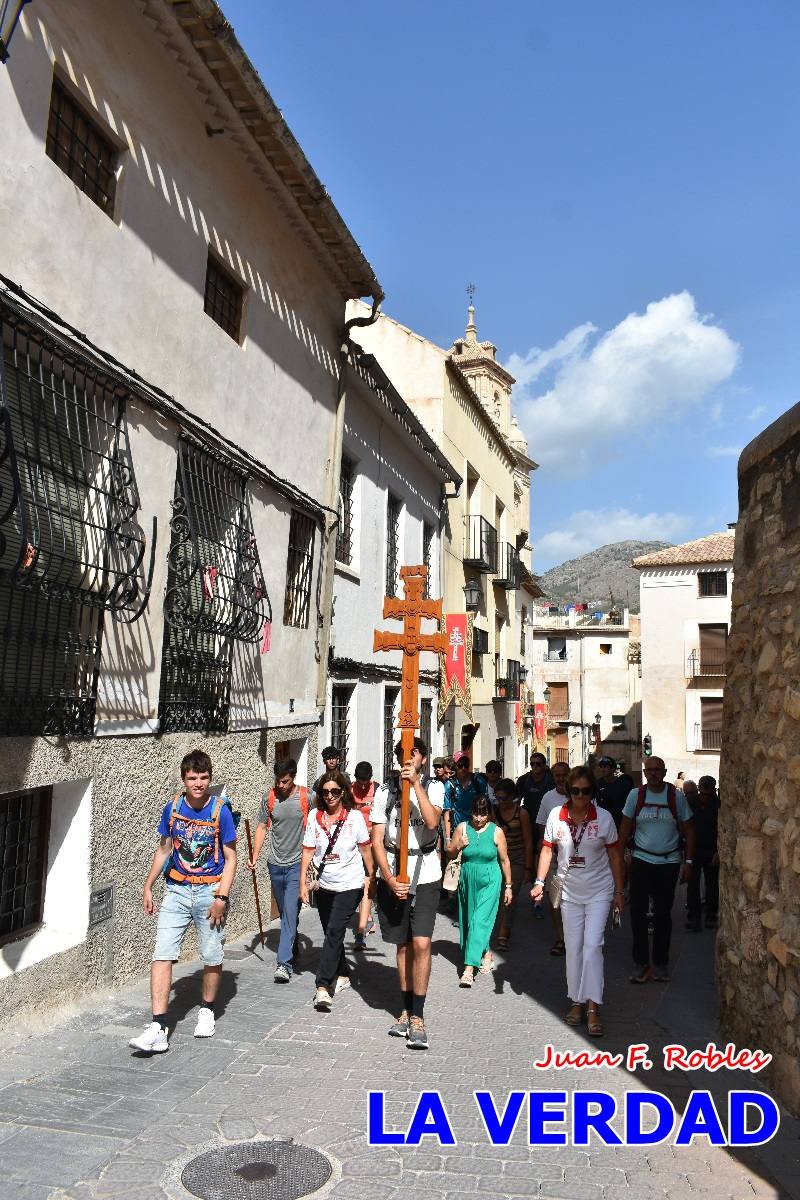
[
  {"x": 584, "y": 661},
  {"x": 480, "y": 437},
  {"x": 205, "y": 171},
  {"x": 673, "y": 613},
  {"x": 386, "y": 459}
]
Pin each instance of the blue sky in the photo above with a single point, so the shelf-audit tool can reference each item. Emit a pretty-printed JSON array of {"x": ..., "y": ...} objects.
[{"x": 619, "y": 180}]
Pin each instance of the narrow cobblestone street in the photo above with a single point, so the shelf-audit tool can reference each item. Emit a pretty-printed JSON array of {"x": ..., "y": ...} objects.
[{"x": 85, "y": 1118}]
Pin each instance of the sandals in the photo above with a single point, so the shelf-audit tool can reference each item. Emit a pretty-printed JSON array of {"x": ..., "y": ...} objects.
[
  {"x": 558, "y": 949},
  {"x": 575, "y": 1015},
  {"x": 468, "y": 977},
  {"x": 594, "y": 1026},
  {"x": 487, "y": 963}
]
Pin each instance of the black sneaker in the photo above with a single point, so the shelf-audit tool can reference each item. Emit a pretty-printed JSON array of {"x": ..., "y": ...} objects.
[
  {"x": 660, "y": 974},
  {"x": 416, "y": 1038},
  {"x": 400, "y": 1027},
  {"x": 641, "y": 975}
]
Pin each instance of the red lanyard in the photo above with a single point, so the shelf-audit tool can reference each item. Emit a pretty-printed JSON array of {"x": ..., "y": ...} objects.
[{"x": 572, "y": 830}]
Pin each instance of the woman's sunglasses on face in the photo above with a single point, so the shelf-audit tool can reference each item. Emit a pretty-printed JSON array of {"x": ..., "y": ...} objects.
[
  {"x": 587, "y": 791},
  {"x": 333, "y": 792}
]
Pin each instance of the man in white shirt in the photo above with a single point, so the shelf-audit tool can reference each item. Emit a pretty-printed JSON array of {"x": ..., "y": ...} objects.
[{"x": 407, "y": 911}]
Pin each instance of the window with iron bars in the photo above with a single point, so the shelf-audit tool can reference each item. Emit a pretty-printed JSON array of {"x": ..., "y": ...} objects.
[
  {"x": 24, "y": 837},
  {"x": 344, "y": 533},
  {"x": 392, "y": 544},
  {"x": 78, "y": 145},
  {"x": 341, "y": 694},
  {"x": 71, "y": 549},
  {"x": 215, "y": 593},
  {"x": 427, "y": 558},
  {"x": 712, "y": 583},
  {"x": 391, "y": 696},
  {"x": 223, "y": 298},
  {"x": 426, "y": 723},
  {"x": 299, "y": 571}
]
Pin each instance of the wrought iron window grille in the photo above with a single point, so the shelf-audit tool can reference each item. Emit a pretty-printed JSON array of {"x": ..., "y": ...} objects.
[
  {"x": 215, "y": 593},
  {"x": 24, "y": 837},
  {"x": 392, "y": 544},
  {"x": 344, "y": 533},
  {"x": 391, "y": 697},
  {"x": 80, "y": 148},
  {"x": 427, "y": 558},
  {"x": 341, "y": 695},
  {"x": 71, "y": 549},
  {"x": 223, "y": 298},
  {"x": 299, "y": 571}
]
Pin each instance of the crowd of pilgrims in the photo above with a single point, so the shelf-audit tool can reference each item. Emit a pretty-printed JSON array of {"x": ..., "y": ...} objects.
[{"x": 572, "y": 845}]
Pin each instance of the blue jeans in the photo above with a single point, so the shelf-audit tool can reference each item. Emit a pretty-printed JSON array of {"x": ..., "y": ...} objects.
[{"x": 285, "y": 883}]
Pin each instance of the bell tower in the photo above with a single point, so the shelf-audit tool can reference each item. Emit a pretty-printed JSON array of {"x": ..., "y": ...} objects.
[{"x": 478, "y": 361}]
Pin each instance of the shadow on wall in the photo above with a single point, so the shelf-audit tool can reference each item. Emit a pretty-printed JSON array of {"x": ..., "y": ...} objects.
[{"x": 172, "y": 224}]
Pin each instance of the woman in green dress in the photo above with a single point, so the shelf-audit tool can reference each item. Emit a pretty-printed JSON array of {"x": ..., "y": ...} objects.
[{"x": 484, "y": 864}]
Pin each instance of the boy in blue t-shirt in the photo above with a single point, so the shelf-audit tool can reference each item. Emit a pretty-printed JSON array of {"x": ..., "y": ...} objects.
[{"x": 198, "y": 850}]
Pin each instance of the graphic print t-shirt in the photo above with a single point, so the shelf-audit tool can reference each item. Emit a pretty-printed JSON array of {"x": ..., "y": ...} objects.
[{"x": 192, "y": 842}]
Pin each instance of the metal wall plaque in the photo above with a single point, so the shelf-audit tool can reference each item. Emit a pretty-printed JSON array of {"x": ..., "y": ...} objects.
[{"x": 101, "y": 905}]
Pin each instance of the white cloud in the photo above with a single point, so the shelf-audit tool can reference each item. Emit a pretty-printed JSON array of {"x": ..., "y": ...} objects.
[
  {"x": 725, "y": 451},
  {"x": 608, "y": 397},
  {"x": 535, "y": 362},
  {"x": 756, "y": 412},
  {"x": 592, "y": 527}
]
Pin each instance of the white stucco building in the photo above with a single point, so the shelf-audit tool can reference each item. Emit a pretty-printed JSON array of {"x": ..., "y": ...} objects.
[
  {"x": 686, "y": 612},
  {"x": 392, "y": 497},
  {"x": 463, "y": 398},
  {"x": 174, "y": 281},
  {"x": 584, "y": 675}
]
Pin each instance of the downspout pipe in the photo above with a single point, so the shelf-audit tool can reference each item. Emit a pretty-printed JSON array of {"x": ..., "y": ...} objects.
[{"x": 328, "y": 557}]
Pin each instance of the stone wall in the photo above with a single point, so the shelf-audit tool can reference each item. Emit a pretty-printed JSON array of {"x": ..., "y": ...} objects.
[
  {"x": 132, "y": 778},
  {"x": 758, "y": 949}
]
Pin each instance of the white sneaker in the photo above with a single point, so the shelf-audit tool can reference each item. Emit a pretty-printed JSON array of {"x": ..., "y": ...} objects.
[
  {"x": 154, "y": 1040},
  {"x": 341, "y": 983},
  {"x": 205, "y": 1023},
  {"x": 322, "y": 1000}
]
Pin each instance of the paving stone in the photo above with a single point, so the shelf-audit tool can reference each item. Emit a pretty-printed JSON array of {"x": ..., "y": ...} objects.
[{"x": 270, "y": 1068}]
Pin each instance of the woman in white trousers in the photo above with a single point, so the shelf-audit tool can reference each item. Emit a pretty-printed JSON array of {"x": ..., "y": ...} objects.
[{"x": 589, "y": 877}]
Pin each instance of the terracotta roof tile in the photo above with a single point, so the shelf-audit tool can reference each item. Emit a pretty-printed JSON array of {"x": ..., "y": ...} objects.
[{"x": 716, "y": 547}]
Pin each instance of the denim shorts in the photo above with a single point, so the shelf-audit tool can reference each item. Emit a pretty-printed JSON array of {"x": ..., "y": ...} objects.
[{"x": 182, "y": 904}]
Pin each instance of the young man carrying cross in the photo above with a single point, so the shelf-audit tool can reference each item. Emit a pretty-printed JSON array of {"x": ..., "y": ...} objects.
[{"x": 407, "y": 911}]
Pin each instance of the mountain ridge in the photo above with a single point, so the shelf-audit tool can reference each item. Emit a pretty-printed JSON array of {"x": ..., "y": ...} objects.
[{"x": 599, "y": 574}]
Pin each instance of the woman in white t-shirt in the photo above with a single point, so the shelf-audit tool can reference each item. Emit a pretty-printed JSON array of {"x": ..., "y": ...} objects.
[
  {"x": 337, "y": 839},
  {"x": 590, "y": 874}
]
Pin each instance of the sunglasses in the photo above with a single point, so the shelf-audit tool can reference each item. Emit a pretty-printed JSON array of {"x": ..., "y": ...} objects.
[
  {"x": 587, "y": 791},
  {"x": 334, "y": 792}
]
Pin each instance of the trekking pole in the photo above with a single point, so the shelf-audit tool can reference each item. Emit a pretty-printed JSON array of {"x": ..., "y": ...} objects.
[{"x": 255, "y": 884}]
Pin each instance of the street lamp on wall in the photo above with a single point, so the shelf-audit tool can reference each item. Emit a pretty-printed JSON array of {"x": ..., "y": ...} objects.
[
  {"x": 9, "y": 16},
  {"x": 472, "y": 596},
  {"x": 546, "y": 695}
]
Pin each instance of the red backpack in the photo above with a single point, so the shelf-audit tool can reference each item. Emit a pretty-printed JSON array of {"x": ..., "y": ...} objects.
[
  {"x": 673, "y": 808},
  {"x": 272, "y": 800}
]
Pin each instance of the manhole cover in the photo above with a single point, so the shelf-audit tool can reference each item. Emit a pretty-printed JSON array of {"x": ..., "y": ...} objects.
[{"x": 256, "y": 1171}]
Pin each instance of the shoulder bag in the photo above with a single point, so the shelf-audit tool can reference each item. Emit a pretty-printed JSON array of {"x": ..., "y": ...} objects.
[
  {"x": 452, "y": 872},
  {"x": 314, "y": 872}
]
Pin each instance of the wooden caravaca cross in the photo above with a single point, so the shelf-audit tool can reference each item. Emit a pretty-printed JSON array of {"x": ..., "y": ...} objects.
[{"x": 411, "y": 641}]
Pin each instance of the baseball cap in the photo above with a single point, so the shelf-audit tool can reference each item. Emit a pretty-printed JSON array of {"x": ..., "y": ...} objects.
[
  {"x": 439, "y": 762},
  {"x": 460, "y": 757},
  {"x": 605, "y": 761}
]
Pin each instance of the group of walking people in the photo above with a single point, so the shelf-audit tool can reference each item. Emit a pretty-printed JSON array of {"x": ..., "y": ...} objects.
[{"x": 336, "y": 845}]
